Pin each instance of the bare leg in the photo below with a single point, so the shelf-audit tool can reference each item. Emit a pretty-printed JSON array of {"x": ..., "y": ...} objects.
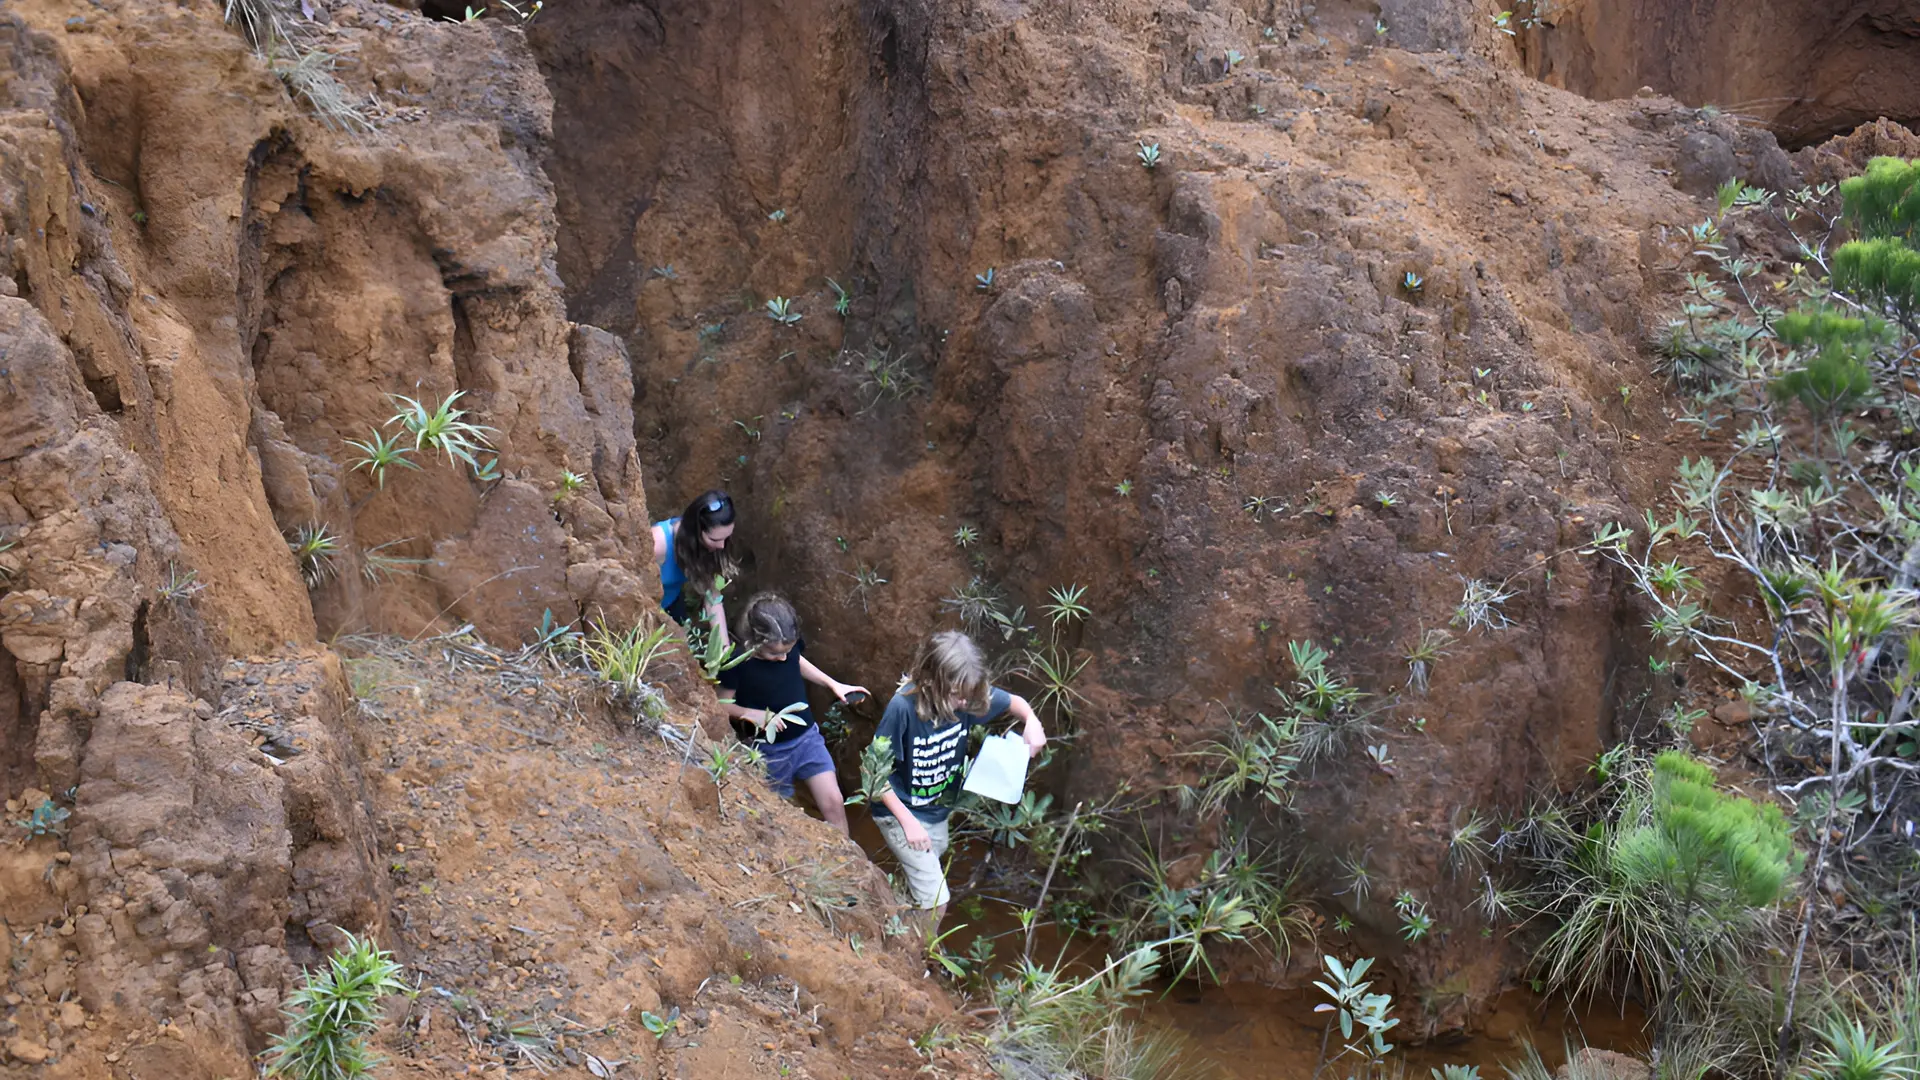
[{"x": 825, "y": 789}]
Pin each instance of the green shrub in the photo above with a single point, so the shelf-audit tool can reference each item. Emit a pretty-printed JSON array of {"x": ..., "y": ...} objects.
[
  {"x": 876, "y": 772},
  {"x": 443, "y": 428},
  {"x": 1663, "y": 892},
  {"x": 1884, "y": 200},
  {"x": 314, "y": 550},
  {"x": 333, "y": 1012},
  {"x": 45, "y": 820},
  {"x": 1055, "y": 1027},
  {"x": 1816, "y": 514},
  {"x": 1853, "y": 1053}
]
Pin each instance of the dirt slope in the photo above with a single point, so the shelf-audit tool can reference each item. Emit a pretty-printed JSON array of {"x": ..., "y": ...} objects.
[{"x": 537, "y": 867}]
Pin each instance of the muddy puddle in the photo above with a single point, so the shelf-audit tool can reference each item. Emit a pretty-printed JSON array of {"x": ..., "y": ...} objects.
[
  {"x": 1244, "y": 1031},
  {"x": 1249, "y": 1031}
]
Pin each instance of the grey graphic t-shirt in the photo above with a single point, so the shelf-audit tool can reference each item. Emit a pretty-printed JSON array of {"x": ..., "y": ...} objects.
[{"x": 929, "y": 760}]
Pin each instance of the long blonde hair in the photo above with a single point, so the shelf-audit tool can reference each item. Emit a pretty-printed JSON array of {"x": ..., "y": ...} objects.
[{"x": 949, "y": 665}]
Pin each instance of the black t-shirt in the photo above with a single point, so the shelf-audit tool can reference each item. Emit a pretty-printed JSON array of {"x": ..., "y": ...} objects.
[
  {"x": 772, "y": 685},
  {"x": 928, "y": 760}
]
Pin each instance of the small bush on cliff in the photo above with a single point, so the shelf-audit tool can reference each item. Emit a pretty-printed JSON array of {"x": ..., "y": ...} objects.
[
  {"x": 1664, "y": 888},
  {"x": 45, "y": 820},
  {"x": 333, "y": 1012},
  {"x": 1320, "y": 714},
  {"x": 1239, "y": 896},
  {"x": 314, "y": 550},
  {"x": 380, "y": 453},
  {"x": 309, "y": 77},
  {"x": 443, "y": 428},
  {"x": 306, "y": 71},
  {"x": 1054, "y": 666},
  {"x": 1056, "y": 1027},
  {"x": 883, "y": 376},
  {"x": 622, "y": 660}
]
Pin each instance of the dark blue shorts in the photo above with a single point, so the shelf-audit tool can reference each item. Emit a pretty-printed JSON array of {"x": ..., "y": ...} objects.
[{"x": 796, "y": 761}]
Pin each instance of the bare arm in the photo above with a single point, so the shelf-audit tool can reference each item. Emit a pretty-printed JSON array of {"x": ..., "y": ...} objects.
[
  {"x": 738, "y": 711},
  {"x": 834, "y": 686},
  {"x": 717, "y": 618},
  {"x": 917, "y": 837},
  {"x": 660, "y": 544},
  {"x": 1031, "y": 731},
  {"x": 763, "y": 720}
]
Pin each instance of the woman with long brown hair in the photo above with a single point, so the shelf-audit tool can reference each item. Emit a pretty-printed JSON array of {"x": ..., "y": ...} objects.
[{"x": 694, "y": 551}]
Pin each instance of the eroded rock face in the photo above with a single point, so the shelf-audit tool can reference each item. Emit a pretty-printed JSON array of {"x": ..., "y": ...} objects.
[
  {"x": 1370, "y": 328},
  {"x": 209, "y": 850},
  {"x": 1806, "y": 69},
  {"x": 198, "y": 853},
  {"x": 254, "y": 289},
  {"x": 204, "y": 291}
]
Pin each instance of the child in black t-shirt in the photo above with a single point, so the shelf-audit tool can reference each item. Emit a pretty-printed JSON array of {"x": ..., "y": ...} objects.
[{"x": 776, "y": 679}]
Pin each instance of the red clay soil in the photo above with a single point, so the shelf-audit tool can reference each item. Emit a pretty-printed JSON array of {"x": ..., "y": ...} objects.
[{"x": 1187, "y": 388}]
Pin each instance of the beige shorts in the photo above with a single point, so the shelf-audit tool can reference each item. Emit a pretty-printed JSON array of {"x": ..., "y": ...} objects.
[{"x": 924, "y": 874}]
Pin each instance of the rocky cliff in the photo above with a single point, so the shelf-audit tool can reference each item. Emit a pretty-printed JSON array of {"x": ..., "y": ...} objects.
[
  {"x": 1366, "y": 324},
  {"x": 1205, "y": 390}
]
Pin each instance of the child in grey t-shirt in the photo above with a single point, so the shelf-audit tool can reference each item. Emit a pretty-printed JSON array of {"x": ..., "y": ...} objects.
[{"x": 927, "y": 723}]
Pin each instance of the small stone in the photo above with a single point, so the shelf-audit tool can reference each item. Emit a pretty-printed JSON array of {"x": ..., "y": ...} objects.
[
  {"x": 1604, "y": 1065},
  {"x": 63, "y": 857},
  {"x": 72, "y": 1016},
  {"x": 113, "y": 1056},
  {"x": 26, "y": 1050}
]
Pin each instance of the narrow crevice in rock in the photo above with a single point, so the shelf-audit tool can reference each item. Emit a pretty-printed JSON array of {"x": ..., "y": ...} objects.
[{"x": 19, "y": 726}]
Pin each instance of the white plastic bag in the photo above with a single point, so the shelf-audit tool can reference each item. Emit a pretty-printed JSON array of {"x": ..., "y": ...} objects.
[{"x": 1000, "y": 772}]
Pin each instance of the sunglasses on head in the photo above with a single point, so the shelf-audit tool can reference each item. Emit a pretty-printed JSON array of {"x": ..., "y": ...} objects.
[{"x": 714, "y": 505}]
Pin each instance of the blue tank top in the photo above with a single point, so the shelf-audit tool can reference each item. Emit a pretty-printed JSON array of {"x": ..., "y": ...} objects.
[{"x": 671, "y": 576}]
